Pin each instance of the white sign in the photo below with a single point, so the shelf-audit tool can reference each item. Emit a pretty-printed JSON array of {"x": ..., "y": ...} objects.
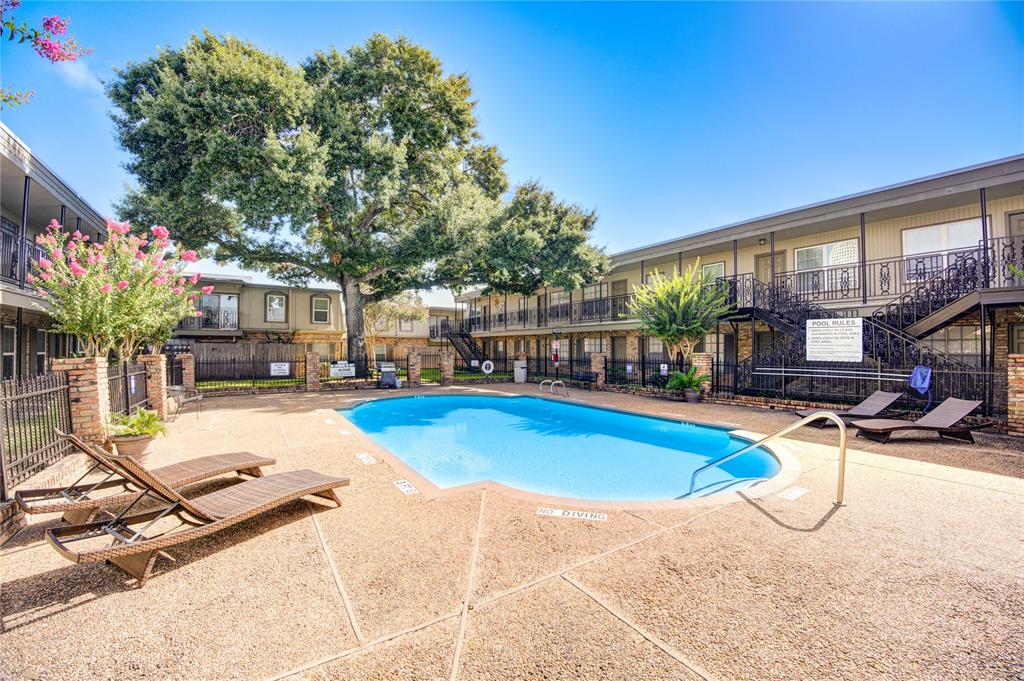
[
  {"x": 279, "y": 369},
  {"x": 474, "y": 362},
  {"x": 835, "y": 340},
  {"x": 487, "y": 367},
  {"x": 406, "y": 487},
  {"x": 366, "y": 458},
  {"x": 664, "y": 369},
  {"x": 629, "y": 369},
  {"x": 576, "y": 515},
  {"x": 555, "y": 345},
  {"x": 342, "y": 370}
]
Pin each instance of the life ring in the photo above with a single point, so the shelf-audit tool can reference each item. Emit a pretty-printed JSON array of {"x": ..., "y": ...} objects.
[{"x": 487, "y": 367}]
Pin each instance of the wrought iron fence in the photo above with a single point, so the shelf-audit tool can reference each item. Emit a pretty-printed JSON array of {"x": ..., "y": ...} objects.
[
  {"x": 174, "y": 370},
  {"x": 474, "y": 370},
  {"x": 342, "y": 374},
  {"x": 641, "y": 372},
  {"x": 250, "y": 374},
  {"x": 576, "y": 371},
  {"x": 126, "y": 383},
  {"x": 30, "y": 411}
]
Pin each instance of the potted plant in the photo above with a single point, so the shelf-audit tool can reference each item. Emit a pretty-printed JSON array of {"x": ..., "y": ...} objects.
[
  {"x": 133, "y": 435},
  {"x": 689, "y": 382}
]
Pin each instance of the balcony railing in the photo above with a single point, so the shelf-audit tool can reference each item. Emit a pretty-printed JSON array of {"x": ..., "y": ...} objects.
[
  {"x": 213, "y": 319},
  {"x": 14, "y": 252}
]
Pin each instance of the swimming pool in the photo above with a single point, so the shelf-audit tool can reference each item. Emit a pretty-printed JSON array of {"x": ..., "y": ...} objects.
[{"x": 555, "y": 448}]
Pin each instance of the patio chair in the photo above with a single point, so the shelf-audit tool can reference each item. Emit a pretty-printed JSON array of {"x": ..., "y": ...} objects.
[
  {"x": 874, "y": 404},
  {"x": 135, "y": 552},
  {"x": 945, "y": 419},
  {"x": 79, "y": 501},
  {"x": 183, "y": 396}
]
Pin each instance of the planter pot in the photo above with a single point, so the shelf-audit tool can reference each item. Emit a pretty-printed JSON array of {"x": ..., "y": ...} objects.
[
  {"x": 139, "y": 447},
  {"x": 692, "y": 396}
]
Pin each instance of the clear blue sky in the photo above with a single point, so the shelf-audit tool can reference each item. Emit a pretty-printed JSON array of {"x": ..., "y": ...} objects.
[{"x": 665, "y": 118}]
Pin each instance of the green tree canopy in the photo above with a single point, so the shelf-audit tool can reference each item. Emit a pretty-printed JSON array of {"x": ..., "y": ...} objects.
[
  {"x": 364, "y": 168},
  {"x": 679, "y": 310}
]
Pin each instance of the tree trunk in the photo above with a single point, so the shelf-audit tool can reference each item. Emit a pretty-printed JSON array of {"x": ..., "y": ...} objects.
[{"x": 355, "y": 325}]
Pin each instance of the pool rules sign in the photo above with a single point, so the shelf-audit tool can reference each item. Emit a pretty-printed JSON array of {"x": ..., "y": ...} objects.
[{"x": 835, "y": 340}]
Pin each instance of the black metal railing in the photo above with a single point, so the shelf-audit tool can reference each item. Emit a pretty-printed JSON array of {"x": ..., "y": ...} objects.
[
  {"x": 250, "y": 374},
  {"x": 30, "y": 411},
  {"x": 213, "y": 318},
  {"x": 126, "y": 383},
  {"x": 15, "y": 255}
]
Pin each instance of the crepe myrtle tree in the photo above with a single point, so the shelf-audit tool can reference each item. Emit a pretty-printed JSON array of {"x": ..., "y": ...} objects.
[
  {"x": 363, "y": 168},
  {"x": 116, "y": 296},
  {"x": 50, "y": 40},
  {"x": 680, "y": 310}
]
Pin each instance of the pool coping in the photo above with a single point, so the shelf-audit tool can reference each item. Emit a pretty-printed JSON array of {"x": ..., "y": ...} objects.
[{"x": 790, "y": 468}]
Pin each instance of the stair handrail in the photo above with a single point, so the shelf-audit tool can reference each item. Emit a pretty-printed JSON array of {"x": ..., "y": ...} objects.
[{"x": 831, "y": 416}]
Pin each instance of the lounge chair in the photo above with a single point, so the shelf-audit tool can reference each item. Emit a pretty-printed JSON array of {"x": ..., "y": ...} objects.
[
  {"x": 873, "y": 405},
  {"x": 135, "y": 552},
  {"x": 79, "y": 502},
  {"x": 944, "y": 419}
]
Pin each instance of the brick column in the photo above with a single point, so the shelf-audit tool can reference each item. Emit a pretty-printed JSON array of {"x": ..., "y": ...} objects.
[
  {"x": 12, "y": 519},
  {"x": 703, "y": 362},
  {"x": 598, "y": 362},
  {"x": 414, "y": 367},
  {"x": 447, "y": 368},
  {"x": 188, "y": 371},
  {"x": 632, "y": 345},
  {"x": 90, "y": 396},
  {"x": 156, "y": 383},
  {"x": 1015, "y": 394},
  {"x": 312, "y": 371}
]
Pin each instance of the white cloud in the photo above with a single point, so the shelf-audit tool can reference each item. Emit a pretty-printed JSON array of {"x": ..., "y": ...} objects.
[{"x": 78, "y": 75}]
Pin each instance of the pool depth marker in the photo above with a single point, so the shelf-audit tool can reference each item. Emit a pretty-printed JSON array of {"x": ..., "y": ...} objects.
[
  {"x": 406, "y": 487},
  {"x": 366, "y": 458},
  {"x": 576, "y": 515}
]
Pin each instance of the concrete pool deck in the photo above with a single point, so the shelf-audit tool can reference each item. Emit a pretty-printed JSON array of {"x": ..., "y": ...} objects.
[{"x": 921, "y": 575}]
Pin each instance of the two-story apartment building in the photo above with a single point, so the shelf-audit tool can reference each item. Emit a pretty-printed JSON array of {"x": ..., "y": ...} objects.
[
  {"x": 925, "y": 262},
  {"x": 31, "y": 195}
]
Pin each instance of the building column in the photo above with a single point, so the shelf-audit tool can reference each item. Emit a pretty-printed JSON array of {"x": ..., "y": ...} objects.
[
  {"x": 89, "y": 393},
  {"x": 447, "y": 368},
  {"x": 984, "y": 238},
  {"x": 22, "y": 248},
  {"x": 863, "y": 263},
  {"x": 188, "y": 371},
  {"x": 598, "y": 363},
  {"x": 156, "y": 383},
  {"x": 414, "y": 364},
  {"x": 313, "y": 371},
  {"x": 703, "y": 362},
  {"x": 1015, "y": 395}
]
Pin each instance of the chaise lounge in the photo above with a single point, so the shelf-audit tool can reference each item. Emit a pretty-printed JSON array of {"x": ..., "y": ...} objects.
[
  {"x": 874, "y": 404},
  {"x": 80, "y": 501},
  {"x": 135, "y": 552},
  {"x": 945, "y": 419}
]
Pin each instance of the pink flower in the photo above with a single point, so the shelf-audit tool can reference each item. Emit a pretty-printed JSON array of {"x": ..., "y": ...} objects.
[
  {"x": 160, "y": 232},
  {"x": 197, "y": 313},
  {"x": 45, "y": 264},
  {"x": 53, "y": 225},
  {"x": 45, "y": 276},
  {"x": 76, "y": 269},
  {"x": 195, "y": 278},
  {"x": 85, "y": 237},
  {"x": 139, "y": 255},
  {"x": 72, "y": 245},
  {"x": 158, "y": 261},
  {"x": 29, "y": 278},
  {"x": 207, "y": 290},
  {"x": 91, "y": 259},
  {"x": 122, "y": 285},
  {"x": 189, "y": 256},
  {"x": 58, "y": 254},
  {"x": 42, "y": 293},
  {"x": 106, "y": 288},
  {"x": 118, "y": 227},
  {"x": 56, "y": 25},
  {"x": 76, "y": 235},
  {"x": 178, "y": 290},
  {"x": 160, "y": 281}
]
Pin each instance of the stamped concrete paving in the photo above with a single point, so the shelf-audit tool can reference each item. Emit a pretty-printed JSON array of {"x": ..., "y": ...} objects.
[{"x": 921, "y": 575}]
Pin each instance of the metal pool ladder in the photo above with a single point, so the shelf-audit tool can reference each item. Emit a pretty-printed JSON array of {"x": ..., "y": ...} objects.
[
  {"x": 840, "y": 483},
  {"x": 553, "y": 386}
]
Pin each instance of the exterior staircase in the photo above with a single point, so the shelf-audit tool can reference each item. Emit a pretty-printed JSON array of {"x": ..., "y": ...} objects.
[{"x": 463, "y": 343}]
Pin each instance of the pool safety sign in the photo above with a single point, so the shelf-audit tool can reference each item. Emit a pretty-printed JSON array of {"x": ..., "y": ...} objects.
[
  {"x": 342, "y": 370},
  {"x": 279, "y": 369},
  {"x": 835, "y": 340},
  {"x": 575, "y": 515}
]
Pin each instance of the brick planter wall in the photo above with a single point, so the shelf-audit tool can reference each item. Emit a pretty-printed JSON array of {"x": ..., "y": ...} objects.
[
  {"x": 598, "y": 364},
  {"x": 447, "y": 368},
  {"x": 702, "y": 362},
  {"x": 156, "y": 383},
  {"x": 312, "y": 371},
  {"x": 414, "y": 367},
  {"x": 188, "y": 371},
  {"x": 89, "y": 396}
]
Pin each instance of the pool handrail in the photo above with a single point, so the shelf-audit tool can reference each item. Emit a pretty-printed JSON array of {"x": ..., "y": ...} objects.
[
  {"x": 840, "y": 483},
  {"x": 557, "y": 383}
]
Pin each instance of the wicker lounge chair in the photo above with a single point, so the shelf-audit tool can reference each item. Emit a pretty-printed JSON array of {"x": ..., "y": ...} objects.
[
  {"x": 135, "y": 552},
  {"x": 873, "y": 405},
  {"x": 79, "y": 501},
  {"x": 944, "y": 419}
]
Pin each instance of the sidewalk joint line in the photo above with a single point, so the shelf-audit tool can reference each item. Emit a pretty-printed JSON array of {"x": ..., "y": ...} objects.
[
  {"x": 337, "y": 577},
  {"x": 457, "y": 653}
]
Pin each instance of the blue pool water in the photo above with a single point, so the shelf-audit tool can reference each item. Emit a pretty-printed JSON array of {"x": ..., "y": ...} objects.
[{"x": 553, "y": 447}]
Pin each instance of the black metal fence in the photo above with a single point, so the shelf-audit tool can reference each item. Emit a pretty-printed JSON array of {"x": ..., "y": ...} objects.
[
  {"x": 174, "y": 370},
  {"x": 30, "y": 410},
  {"x": 641, "y": 372},
  {"x": 342, "y": 374},
  {"x": 126, "y": 383},
  {"x": 575, "y": 371},
  {"x": 251, "y": 375}
]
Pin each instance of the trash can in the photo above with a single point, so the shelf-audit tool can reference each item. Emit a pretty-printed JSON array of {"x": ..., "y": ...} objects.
[{"x": 519, "y": 371}]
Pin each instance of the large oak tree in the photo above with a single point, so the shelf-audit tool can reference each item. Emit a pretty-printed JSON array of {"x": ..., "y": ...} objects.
[{"x": 364, "y": 168}]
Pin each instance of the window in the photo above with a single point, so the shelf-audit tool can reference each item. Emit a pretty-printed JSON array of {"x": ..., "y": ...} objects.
[
  {"x": 7, "y": 346},
  {"x": 558, "y": 297},
  {"x": 595, "y": 291},
  {"x": 593, "y": 345},
  {"x": 935, "y": 247},
  {"x": 40, "y": 351},
  {"x": 827, "y": 267},
  {"x": 220, "y": 311},
  {"x": 962, "y": 342},
  {"x": 498, "y": 349},
  {"x": 380, "y": 353},
  {"x": 277, "y": 304},
  {"x": 655, "y": 348},
  {"x": 620, "y": 287},
  {"x": 713, "y": 270},
  {"x": 405, "y": 325},
  {"x": 321, "y": 310}
]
